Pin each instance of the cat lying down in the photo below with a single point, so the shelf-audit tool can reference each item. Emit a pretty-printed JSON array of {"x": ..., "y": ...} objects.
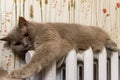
[
  {"x": 4, "y": 75},
  {"x": 51, "y": 42}
]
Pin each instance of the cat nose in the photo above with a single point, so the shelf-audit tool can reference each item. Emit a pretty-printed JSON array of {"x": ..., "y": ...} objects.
[{"x": 25, "y": 45}]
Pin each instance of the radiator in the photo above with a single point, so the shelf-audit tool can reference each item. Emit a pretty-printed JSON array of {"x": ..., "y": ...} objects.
[{"x": 82, "y": 66}]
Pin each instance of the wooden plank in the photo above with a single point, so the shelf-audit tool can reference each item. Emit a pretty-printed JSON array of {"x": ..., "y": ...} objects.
[{"x": 1, "y": 46}]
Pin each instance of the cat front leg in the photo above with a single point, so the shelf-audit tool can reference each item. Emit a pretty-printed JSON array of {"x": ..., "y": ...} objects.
[
  {"x": 44, "y": 55},
  {"x": 24, "y": 72}
]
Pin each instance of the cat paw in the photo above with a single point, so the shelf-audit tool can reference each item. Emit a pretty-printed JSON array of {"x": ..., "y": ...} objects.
[
  {"x": 17, "y": 74},
  {"x": 112, "y": 46}
]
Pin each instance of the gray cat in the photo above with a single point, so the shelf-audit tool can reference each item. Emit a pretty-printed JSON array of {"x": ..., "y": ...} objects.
[{"x": 52, "y": 41}]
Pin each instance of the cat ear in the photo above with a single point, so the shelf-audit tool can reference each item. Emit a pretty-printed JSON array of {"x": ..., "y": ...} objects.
[
  {"x": 7, "y": 43},
  {"x": 23, "y": 25},
  {"x": 5, "y": 39},
  {"x": 22, "y": 21}
]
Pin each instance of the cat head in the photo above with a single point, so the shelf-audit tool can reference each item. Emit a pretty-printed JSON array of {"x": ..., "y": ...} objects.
[{"x": 19, "y": 39}]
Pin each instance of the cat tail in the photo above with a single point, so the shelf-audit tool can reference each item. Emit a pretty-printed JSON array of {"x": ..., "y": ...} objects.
[{"x": 111, "y": 46}]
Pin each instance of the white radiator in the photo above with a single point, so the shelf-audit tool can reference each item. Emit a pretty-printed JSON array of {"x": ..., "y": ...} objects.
[{"x": 82, "y": 66}]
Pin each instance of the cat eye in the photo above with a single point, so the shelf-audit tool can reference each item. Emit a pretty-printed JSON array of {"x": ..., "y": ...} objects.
[
  {"x": 26, "y": 34},
  {"x": 18, "y": 43}
]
